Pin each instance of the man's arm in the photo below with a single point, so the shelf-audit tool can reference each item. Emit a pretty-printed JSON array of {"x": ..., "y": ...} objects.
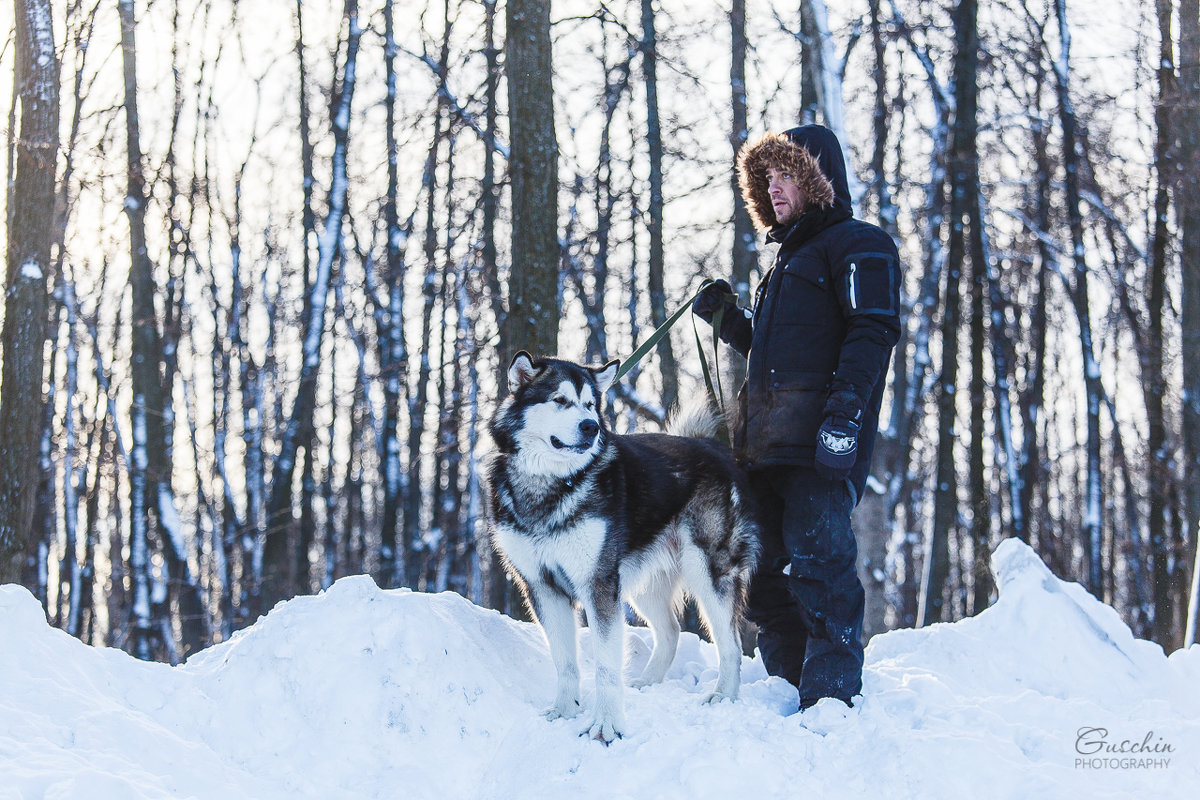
[
  {"x": 736, "y": 327},
  {"x": 868, "y": 284}
]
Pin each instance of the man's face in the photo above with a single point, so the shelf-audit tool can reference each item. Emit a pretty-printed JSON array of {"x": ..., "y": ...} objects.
[{"x": 786, "y": 197}]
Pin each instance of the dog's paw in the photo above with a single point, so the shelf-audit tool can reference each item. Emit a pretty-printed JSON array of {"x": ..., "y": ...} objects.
[
  {"x": 719, "y": 697},
  {"x": 562, "y": 710},
  {"x": 605, "y": 731},
  {"x": 641, "y": 683}
]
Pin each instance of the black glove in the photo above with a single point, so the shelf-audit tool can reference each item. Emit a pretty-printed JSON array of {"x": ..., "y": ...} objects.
[
  {"x": 837, "y": 440},
  {"x": 714, "y": 295}
]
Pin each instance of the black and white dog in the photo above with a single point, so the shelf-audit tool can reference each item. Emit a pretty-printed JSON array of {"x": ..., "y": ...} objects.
[{"x": 586, "y": 516}]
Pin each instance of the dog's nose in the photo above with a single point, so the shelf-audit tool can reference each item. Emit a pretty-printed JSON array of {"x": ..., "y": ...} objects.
[{"x": 589, "y": 428}]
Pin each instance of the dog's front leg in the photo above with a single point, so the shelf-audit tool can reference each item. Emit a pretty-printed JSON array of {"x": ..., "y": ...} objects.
[
  {"x": 608, "y": 638},
  {"x": 556, "y": 614}
]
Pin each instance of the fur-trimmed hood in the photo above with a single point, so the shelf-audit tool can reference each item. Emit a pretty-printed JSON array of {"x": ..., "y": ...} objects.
[{"x": 811, "y": 153}]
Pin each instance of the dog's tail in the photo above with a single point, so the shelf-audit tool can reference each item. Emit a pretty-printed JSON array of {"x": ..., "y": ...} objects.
[{"x": 694, "y": 417}]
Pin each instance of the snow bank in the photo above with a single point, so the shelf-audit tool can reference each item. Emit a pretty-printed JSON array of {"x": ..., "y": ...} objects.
[{"x": 362, "y": 693}]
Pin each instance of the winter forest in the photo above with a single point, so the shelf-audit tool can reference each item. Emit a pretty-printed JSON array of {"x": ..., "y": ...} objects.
[{"x": 266, "y": 264}]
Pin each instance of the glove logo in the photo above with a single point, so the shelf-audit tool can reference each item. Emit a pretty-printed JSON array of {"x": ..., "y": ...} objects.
[{"x": 839, "y": 445}]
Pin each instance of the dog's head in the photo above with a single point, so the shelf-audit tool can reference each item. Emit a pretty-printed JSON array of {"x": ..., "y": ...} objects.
[{"x": 551, "y": 418}]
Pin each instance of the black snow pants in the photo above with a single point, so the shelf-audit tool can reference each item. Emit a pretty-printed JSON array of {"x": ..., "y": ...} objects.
[{"x": 806, "y": 597}]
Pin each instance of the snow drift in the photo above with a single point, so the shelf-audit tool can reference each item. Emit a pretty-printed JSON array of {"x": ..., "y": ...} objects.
[{"x": 363, "y": 693}]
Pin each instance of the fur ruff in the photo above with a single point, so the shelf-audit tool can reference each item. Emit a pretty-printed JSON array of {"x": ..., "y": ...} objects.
[{"x": 777, "y": 150}]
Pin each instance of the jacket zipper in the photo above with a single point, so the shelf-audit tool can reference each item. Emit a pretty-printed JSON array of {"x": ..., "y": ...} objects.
[
  {"x": 765, "y": 287},
  {"x": 853, "y": 287}
]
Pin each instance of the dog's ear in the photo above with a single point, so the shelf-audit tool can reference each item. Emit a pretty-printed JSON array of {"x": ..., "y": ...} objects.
[
  {"x": 521, "y": 371},
  {"x": 606, "y": 375}
]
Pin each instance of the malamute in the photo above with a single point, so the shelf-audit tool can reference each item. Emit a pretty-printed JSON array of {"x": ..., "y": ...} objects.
[{"x": 586, "y": 516}]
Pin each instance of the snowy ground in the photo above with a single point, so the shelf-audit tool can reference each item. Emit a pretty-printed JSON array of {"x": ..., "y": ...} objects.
[{"x": 362, "y": 693}]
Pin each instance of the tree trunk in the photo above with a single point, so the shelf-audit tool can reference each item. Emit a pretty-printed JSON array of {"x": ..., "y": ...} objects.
[
  {"x": 1031, "y": 466},
  {"x": 1092, "y": 523},
  {"x": 745, "y": 245},
  {"x": 1188, "y": 200},
  {"x": 30, "y": 234},
  {"x": 656, "y": 264},
  {"x": 872, "y": 518},
  {"x": 532, "y": 318},
  {"x": 906, "y": 492},
  {"x": 413, "y": 542},
  {"x": 497, "y": 592},
  {"x": 393, "y": 357},
  {"x": 963, "y": 178},
  {"x": 276, "y": 584},
  {"x": 980, "y": 498},
  {"x": 1154, "y": 381},
  {"x": 152, "y": 500}
]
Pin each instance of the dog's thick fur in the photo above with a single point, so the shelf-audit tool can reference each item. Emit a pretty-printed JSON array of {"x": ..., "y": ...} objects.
[{"x": 586, "y": 516}]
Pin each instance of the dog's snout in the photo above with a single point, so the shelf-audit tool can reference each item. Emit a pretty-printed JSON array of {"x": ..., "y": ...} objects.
[{"x": 589, "y": 427}]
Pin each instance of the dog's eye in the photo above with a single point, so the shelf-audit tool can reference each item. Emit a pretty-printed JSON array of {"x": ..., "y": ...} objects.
[
  {"x": 589, "y": 405},
  {"x": 562, "y": 401}
]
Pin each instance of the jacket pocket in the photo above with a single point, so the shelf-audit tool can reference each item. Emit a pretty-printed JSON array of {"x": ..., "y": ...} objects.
[
  {"x": 804, "y": 293},
  {"x": 870, "y": 285},
  {"x": 795, "y": 407}
]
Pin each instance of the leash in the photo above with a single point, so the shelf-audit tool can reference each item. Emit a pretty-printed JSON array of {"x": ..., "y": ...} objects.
[{"x": 716, "y": 394}]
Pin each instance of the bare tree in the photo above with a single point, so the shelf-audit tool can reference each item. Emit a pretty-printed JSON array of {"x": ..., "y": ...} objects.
[
  {"x": 1154, "y": 381},
  {"x": 963, "y": 171},
  {"x": 1188, "y": 200},
  {"x": 873, "y": 516},
  {"x": 656, "y": 263},
  {"x": 1093, "y": 524},
  {"x": 745, "y": 244},
  {"x": 276, "y": 581},
  {"x": 532, "y": 316},
  {"x": 30, "y": 234},
  {"x": 152, "y": 501}
]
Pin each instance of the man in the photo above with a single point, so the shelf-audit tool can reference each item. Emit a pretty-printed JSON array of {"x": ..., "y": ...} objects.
[{"x": 817, "y": 342}]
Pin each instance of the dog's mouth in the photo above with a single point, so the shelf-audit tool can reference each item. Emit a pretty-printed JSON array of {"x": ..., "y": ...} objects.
[{"x": 559, "y": 444}]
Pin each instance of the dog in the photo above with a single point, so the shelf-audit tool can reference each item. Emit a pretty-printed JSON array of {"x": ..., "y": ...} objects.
[{"x": 584, "y": 516}]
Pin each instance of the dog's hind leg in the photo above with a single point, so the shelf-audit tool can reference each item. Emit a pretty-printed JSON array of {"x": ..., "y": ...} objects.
[
  {"x": 717, "y": 596},
  {"x": 656, "y": 605},
  {"x": 556, "y": 614}
]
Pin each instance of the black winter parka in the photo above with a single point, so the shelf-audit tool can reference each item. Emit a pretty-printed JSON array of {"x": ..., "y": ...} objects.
[{"x": 826, "y": 315}]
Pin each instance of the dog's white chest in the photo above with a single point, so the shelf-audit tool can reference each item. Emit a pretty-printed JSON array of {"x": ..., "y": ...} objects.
[{"x": 574, "y": 552}]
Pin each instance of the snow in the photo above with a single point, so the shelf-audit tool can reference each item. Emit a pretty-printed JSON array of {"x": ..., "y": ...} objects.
[{"x": 364, "y": 693}]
